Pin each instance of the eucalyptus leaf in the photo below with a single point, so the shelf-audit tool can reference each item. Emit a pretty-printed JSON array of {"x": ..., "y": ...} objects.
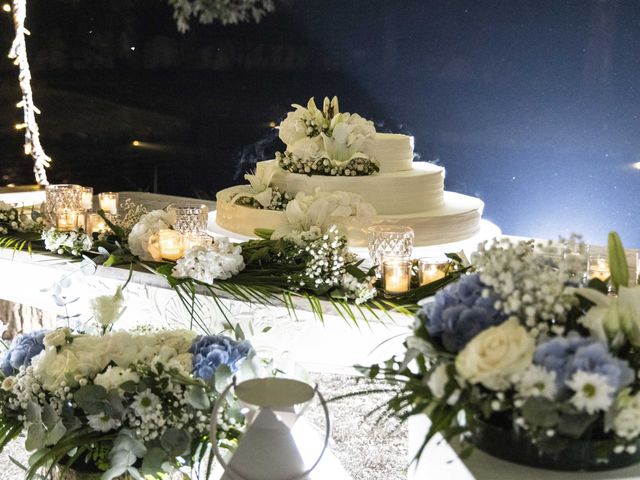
[
  {"x": 89, "y": 394},
  {"x": 153, "y": 460},
  {"x": 574, "y": 425},
  {"x": 222, "y": 377},
  {"x": 49, "y": 416},
  {"x": 56, "y": 433},
  {"x": 197, "y": 397},
  {"x": 33, "y": 413},
  {"x": 176, "y": 442},
  {"x": 36, "y": 437},
  {"x": 540, "y": 412}
]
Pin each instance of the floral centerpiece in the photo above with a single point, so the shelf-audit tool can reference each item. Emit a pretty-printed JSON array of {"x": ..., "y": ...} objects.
[
  {"x": 519, "y": 359},
  {"x": 117, "y": 404},
  {"x": 326, "y": 142}
]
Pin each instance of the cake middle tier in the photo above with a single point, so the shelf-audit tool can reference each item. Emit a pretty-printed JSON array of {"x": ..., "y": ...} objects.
[{"x": 410, "y": 191}]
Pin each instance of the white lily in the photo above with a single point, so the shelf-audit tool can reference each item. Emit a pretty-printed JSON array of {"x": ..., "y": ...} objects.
[
  {"x": 613, "y": 317},
  {"x": 259, "y": 183}
]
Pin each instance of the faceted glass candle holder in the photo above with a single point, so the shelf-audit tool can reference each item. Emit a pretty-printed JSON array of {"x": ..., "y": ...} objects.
[
  {"x": 61, "y": 199},
  {"x": 389, "y": 241},
  {"x": 190, "y": 219},
  {"x": 599, "y": 267}
]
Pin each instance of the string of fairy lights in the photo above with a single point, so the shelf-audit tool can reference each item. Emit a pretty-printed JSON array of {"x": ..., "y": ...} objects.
[{"x": 18, "y": 52}]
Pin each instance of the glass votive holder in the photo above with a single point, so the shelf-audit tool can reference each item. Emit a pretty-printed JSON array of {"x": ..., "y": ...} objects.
[
  {"x": 60, "y": 197},
  {"x": 86, "y": 195},
  {"x": 109, "y": 202},
  {"x": 396, "y": 274},
  {"x": 66, "y": 219},
  {"x": 199, "y": 239},
  {"x": 598, "y": 267},
  {"x": 431, "y": 269},
  {"x": 190, "y": 218},
  {"x": 95, "y": 224},
  {"x": 389, "y": 240},
  {"x": 170, "y": 244}
]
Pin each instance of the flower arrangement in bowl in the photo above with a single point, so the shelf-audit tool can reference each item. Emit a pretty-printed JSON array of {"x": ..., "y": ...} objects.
[
  {"x": 118, "y": 404},
  {"x": 519, "y": 360}
]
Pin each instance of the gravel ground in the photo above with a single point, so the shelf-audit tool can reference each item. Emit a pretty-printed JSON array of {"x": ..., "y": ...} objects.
[{"x": 371, "y": 452}]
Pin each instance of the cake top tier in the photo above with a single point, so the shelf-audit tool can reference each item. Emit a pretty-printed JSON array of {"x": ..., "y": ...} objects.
[{"x": 329, "y": 142}]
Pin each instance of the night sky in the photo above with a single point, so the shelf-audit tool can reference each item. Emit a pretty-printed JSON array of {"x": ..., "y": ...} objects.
[{"x": 530, "y": 105}]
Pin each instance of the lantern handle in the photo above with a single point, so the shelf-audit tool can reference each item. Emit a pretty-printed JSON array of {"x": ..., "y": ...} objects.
[{"x": 234, "y": 474}]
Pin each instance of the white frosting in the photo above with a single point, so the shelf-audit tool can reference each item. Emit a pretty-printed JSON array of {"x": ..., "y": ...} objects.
[
  {"x": 457, "y": 219},
  {"x": 410, "y": 191},
  {"x": 393, "y": 151}
]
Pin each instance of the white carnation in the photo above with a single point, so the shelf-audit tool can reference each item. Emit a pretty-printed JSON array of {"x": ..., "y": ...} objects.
[
  {"x": 149, "y": 224},
  {"x": 221, "y": 260},
  {"x": 626, "y": 423},
  {"x": 113, "y": 377}
]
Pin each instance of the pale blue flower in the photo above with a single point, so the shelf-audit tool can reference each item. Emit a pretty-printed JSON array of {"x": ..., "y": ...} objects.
[
  {"x": 23, "y": 349},
  {"x": 460, "y": 312},
  {"x": 211, "y": 351}
]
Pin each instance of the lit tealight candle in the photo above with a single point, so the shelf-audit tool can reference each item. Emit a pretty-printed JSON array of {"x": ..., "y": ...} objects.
[
  {"x": 170, "y": 244},
  {"x": 109, "y": 202},
  {"x": 96, "y": 224},
  {"x": 599, "y": 268},
  {"x": 396, "y": 275},
  {"x": 87, "y": 198},
  {"x": 66, "y": 220},
  {"x": 432, "y": 269}
]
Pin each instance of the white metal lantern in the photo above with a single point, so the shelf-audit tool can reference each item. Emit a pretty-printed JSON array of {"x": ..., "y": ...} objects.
[{"x": 268, "y": 449}]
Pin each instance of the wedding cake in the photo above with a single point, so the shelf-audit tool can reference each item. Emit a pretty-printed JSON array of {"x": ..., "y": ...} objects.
[{"x": 338, "y": 169}]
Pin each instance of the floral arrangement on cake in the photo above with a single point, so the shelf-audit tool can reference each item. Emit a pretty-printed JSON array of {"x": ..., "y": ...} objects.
[
  {"x": 518, "y": 346},
  {"x": 325, "y": 142},
  {"x": 118, "y": 403}
]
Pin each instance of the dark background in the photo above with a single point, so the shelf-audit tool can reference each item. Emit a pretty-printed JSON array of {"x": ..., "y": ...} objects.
[{"x": 530, "y": 105}]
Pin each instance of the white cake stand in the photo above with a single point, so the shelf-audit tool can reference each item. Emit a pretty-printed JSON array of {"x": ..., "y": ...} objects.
[{"x": 488, "y": 231}]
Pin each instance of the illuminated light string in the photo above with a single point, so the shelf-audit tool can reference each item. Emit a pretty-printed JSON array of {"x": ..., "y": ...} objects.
[{"x": 18, "y": 53}]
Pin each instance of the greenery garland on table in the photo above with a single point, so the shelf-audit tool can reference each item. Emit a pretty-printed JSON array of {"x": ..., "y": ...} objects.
[{"x": 314, "y": 265}]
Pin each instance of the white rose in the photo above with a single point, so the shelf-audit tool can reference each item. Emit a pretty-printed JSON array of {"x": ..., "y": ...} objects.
[
  {"x": 54, "y": 367},
  {"x": 179, "y": 340},
  {"x": 626, "y": 423},
  {"x": 113, "y": 377},
  {"x": 107, "y": 309},
  {"x": 56, "y": 338},
  {"x": 91, "y": 353},
  {"x": 496, "y": 354},
  {"x": 182, "y": 362},
  {"x": 8, "y": 383}
]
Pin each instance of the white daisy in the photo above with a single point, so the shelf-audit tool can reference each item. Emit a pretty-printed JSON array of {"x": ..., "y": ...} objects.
[
  {"x": 145, "y": 403},
  {"x": 592, "y": 392},
  {"x": 102, "y": 422},
  {"x": 537, "y": 381},
  {"x": 626, "y": 423}
]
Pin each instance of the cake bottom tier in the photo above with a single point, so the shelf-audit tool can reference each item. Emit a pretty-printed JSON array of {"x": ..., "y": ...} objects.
[{"x": 457, "y": 219}]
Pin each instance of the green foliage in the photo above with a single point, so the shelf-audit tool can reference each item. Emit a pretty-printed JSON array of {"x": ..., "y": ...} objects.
[{"x": 617, "y": 262}]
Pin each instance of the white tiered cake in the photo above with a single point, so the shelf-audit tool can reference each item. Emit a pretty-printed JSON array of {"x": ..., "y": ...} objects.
[{"x": 401, "y": 191}]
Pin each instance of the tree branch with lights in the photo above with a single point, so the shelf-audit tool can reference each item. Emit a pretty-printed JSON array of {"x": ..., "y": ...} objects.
[{"x": 204, "y": 11}]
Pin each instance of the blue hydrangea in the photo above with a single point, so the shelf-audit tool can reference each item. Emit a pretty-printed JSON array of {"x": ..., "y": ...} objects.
[
  {"x": 460, "y": 312},
  {"x": 211, "y": 351},
  {"x": 567, "y": 355},
  {"x": 23, "y": 349}
]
